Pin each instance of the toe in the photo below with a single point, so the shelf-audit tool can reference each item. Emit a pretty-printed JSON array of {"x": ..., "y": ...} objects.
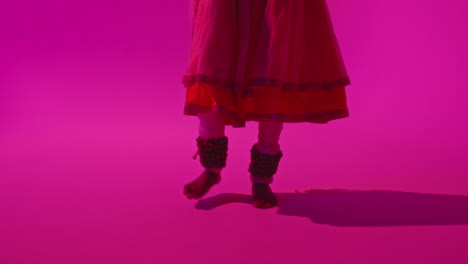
[
  {"x": 259, "y": 204},
  {"x": 187, "y": 188},
  {"x": 264, "y": 204},
  {"x": 191, "y": 194},
  {"x": 194, "y": 195}
]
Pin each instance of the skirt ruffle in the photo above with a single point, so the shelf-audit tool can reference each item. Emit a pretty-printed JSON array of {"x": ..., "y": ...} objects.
[{"x": 267, "y": 104}]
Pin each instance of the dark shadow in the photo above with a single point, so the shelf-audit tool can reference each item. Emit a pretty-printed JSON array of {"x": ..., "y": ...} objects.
[{"x": 361, "y": 208}]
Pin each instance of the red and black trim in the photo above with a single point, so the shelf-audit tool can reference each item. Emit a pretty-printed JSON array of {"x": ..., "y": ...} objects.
[{"x": 189, "y": 80}]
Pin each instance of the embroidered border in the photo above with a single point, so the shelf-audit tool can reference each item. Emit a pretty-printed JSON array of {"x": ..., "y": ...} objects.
[
  {"x": 320, "y": 117},
  {"x": 189, "y": 80}
]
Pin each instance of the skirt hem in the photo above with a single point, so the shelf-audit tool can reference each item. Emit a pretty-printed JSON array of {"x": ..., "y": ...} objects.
[
  {"x": 188, "y": 80},
  {"x": 236, "y": 119}
]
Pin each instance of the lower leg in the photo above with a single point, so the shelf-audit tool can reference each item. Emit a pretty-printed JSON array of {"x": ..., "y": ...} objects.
[
  {"x": 269, "y": 133},
  {"x": 265, "y": 157},
  {"x": 211, "y": 125},
  {"x": 212, "y": 147}
]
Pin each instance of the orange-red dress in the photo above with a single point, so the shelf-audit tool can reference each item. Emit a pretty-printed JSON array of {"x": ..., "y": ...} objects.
[{"x": 265, "y": 60}]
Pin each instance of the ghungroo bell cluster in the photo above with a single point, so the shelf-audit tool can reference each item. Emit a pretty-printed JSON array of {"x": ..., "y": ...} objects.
[
  {"x": 213, "y": 152},
  {"x": 263, "y": 164}
]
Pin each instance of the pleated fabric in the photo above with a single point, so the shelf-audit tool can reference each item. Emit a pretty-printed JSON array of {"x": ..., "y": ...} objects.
[{"x": 265, "y": 60}]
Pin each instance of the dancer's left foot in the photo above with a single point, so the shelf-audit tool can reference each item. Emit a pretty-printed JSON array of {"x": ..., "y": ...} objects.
[
  {"x": 200, "y": 186},
  {"x": 263, "y": 197}
]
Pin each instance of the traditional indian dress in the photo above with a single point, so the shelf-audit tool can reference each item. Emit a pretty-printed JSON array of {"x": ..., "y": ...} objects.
[{"x": 265, "y": 60}]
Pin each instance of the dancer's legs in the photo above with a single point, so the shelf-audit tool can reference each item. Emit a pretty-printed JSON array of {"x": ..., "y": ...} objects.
[
  {"x": 269, "y": 133},
  {"x": 211, "y": 125}
]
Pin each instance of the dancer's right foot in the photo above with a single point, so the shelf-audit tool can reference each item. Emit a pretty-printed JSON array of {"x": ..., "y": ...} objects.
[
  {"x": 200, "y": 186},
  {"x": 263, "y": 196}
]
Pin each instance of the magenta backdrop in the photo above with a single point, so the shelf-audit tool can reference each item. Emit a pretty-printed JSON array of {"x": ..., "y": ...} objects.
[{"x": 95, "y": 148}]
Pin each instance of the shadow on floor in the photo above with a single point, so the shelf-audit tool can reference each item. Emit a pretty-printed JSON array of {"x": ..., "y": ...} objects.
[{"x": 361, "y": 208}]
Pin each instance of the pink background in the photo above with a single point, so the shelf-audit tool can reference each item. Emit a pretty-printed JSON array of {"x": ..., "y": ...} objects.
[{"x": 95, "y": 149}]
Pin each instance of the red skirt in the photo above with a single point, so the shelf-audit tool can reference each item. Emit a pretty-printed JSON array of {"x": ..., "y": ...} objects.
[{"x": 265, "y": 60}]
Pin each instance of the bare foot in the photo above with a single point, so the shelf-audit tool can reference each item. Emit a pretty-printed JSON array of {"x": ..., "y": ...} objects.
[
  {"x": 200, "y": 186},
  {"x": 263, "y": 196}
]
